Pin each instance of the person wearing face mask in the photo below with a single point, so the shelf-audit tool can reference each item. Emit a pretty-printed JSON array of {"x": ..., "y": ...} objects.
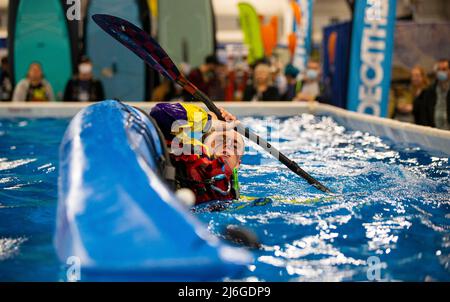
[
  {"x": 84, "y": 87},
  {"x": 432, "y": 107},
  {"x": 34, "y": 88},
  {"x": 205, "y": 152},
  {"x": 310, "y": 87}
]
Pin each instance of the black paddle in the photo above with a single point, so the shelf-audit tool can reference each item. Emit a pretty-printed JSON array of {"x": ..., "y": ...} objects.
[{"x": 152, "y": 53}]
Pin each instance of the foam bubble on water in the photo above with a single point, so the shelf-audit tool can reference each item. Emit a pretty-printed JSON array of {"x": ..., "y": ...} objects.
[
  {"x": 15, "y": 187},
  {"x": 9, "y": 247},
  {"x": 9, "y": 165},
  {"x": 48, "y": 168},
  {"x": 22, "y": 124},
  {"x": 44, "y": 166},
  {"x": 382, "y": 233},
  {"x": 296, "y": 259},
  {"x": 6, "y": 180}
]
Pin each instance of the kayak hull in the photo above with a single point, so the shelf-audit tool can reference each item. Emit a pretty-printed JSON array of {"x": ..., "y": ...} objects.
[{"x": 117, "y": 215}]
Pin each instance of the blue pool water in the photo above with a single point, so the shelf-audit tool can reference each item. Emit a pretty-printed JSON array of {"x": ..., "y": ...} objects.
[{"x": 389, "y": 216}]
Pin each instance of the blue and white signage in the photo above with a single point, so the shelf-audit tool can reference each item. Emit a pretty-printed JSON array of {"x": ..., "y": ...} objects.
[
  {"x": 371, "y": 56},
  {"x": 303, "y": 33}
]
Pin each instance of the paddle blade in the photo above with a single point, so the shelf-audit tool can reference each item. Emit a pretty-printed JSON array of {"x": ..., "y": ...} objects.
[{"x": 139, "y": 42}]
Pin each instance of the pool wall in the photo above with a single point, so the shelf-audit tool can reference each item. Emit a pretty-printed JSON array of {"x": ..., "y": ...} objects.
[{"x": 433, "y": 140}]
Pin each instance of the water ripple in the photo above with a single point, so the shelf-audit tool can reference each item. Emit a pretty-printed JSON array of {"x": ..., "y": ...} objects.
[{"x": 391, "y": 201}]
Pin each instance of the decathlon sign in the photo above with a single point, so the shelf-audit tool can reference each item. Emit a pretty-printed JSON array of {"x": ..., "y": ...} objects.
[
  {"x": 371, "y": 56},
  {"x": 303, "y": 32}
]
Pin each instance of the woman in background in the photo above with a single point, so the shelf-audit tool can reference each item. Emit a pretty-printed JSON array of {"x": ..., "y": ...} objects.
[
  {"x": 34, "y": 88},
  {"x": 262, "y": 88},
  {"x": 402, "y": 100}
]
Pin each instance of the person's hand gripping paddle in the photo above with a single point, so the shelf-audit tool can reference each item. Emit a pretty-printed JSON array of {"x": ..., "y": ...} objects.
[{"x": 144, "y": 46}]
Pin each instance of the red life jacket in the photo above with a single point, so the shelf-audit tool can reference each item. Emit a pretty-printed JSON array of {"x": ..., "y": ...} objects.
[{"x": 209, "y": 179}]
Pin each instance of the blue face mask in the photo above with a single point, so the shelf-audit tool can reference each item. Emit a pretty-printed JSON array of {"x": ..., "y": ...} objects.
[
  {"x": 442, "y": 76},
  {"x": 312, "y": 74}
]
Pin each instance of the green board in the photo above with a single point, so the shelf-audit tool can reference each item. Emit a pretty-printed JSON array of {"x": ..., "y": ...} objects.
[
  {"x": 186, "y": 30},
  {"x": 251, "y": 27},
  {"x": 39, "y": 32}
]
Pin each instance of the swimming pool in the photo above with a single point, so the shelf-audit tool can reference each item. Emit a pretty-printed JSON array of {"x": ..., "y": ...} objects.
[{"x": 389, "y": 218}]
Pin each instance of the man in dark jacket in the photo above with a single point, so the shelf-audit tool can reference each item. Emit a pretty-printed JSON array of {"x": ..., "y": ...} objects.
[
  {"x": 432, "y": 107},
  {"x": 84, "y": 87},
  {"x": 204, "y": 76},
  {"x": 6, "y": 88}
]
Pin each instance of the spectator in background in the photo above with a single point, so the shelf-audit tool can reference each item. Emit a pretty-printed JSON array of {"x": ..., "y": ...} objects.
[
  {"x": 310, "y": 87},
  {"x": 262, "y": 88},
  {"x": 34, "y": 88},
  {"x": 230, "y": 80},
  {"x": 203, "y": 76},
  {"x": 419, "y": 82},
  {"x": 402, "y": 100},
  {"x": 84, "y": 87},
  {"x": 278, "y": 77},
  {"x": 432, "y": 107},
  {"x": 6, "y": 88},
  {"x": 219, "y": 83},
  {"x": 291, "y": 73},
  {"x": 242, "y": 76}
]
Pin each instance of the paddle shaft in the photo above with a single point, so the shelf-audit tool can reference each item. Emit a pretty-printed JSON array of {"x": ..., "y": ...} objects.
[{"x": 293, "y": 166}]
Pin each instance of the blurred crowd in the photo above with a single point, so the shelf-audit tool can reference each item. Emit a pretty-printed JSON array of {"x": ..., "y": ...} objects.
[
  {"x": 82, "y": 87},
  {"x": 265, "y": 80},
  {"x": 424, "y": 100}
]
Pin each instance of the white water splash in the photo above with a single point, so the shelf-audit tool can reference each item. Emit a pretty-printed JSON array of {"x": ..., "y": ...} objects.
[
  {"x": 9, "y": 247},
  {"x": 9, "y": 165}
]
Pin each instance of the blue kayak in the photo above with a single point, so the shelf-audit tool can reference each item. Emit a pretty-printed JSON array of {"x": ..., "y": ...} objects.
[{"x": 118, "y": 215}]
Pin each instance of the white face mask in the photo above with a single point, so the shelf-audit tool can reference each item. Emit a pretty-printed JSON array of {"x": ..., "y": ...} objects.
[
  {"x": 442, "y": 76},
  {"x": 312, "y": 74},
  {"x": 85, "y": 68}
]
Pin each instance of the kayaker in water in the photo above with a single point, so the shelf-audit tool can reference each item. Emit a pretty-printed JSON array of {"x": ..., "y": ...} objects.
[{"x": 205, "y": 151}]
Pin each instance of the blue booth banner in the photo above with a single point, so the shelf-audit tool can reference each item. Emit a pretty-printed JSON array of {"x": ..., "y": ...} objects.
[
  {"x": 371, "y": 56},
  {"x": 335, "y": 60},
  {"x": 303, "y": 34}
]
